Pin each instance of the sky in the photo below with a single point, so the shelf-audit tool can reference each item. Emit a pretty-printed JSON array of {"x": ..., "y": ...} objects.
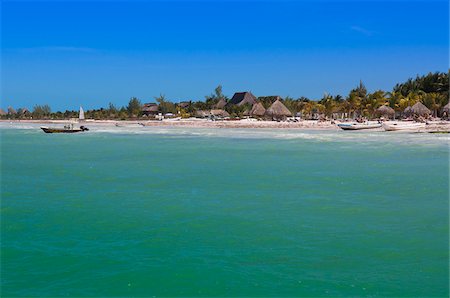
[{"x": 71, "y": 53}]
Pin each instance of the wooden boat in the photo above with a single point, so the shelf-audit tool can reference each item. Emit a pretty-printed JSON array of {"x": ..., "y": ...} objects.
[
  {"x": 358, "y": 126},
  {"x": 66, "y": 129},
  {"x": 403, "y": 126}
]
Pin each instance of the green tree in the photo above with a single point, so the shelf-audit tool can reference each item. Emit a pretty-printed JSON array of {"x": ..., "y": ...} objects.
[
  {"x": 134, "y": 107},
  {"x": 214, "y": 98},
  {"x": 41, "y": 112}
]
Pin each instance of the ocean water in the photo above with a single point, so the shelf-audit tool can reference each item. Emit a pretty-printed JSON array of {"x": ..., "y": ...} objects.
[{"x": 223, "y": 212}]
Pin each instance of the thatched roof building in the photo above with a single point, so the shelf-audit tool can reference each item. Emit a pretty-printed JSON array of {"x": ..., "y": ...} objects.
[
  {"x": 150, "y": 109},
  {"x": 386, "y": 111},
  {"x": 202, "y": 114},
  {"x": 241, "y": 98},
  {"x": 219, "y": 113},
  {"x": 278, "y": 111},
  {"x": 220, "y": 104},
  {"x": 257, "y": 110},
  {"x": 2, "y": 113},
  {"x": 420, "y": 109},
  {"x": 184, "y": 104}
]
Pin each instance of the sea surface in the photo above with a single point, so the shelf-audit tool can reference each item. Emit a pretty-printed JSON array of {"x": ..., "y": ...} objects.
[{"x": 223, "y": 212}]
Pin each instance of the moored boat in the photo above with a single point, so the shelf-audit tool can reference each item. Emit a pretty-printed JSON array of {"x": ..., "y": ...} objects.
[
  {"x": 66, "y": 129},
  {"x": 403, "y": 126},
  {"x": 358, "y": 126}
]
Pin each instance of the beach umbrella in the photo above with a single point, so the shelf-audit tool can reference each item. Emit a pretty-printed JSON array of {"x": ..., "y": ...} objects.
[
  {"x": 278, "y": 111},
  {"x": 446, "y": 108}
]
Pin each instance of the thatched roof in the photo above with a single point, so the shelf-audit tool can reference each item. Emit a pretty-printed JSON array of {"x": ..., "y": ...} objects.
[
  {"x": 219, "y": 112},
  {"x": 184, "y": 104},
  {"x": 446, "y": 108},
  {"x": 258, "y": 110},
  {"x": 150, "y": 108},
  {"x": 2, "y": 113},
  {"x": 202, "y": 114},
  {"x": 278, "y": 110},
  {"x": 240, "y": 98},
  {"x": 386, "y": 110},
  {"x": 420, "y": 109},
  {"x": 220, "y": 104}
]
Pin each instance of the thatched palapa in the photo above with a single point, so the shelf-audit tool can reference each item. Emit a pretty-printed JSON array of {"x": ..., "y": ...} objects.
[
  {"x": 257, "y": 110},
  {"x": 420, "y": 109},
  {"x": 219, "y": 113},
  {"x": 220, "y": 104},
  {"x": 2, "y": 113},
  {"x": 446, "y": 108},
  {"x": 184, "y": 104},
  {"x": 278, "y": 111},
  {"x": 386, "y": 111},
  {"x": 150, "y": 109}
]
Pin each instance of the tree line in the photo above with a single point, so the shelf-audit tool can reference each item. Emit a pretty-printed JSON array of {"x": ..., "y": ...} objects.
[{"x": 431, "y": 89}]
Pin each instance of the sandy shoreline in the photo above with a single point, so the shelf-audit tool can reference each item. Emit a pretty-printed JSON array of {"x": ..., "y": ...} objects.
[{"x": 203, "y": 123}]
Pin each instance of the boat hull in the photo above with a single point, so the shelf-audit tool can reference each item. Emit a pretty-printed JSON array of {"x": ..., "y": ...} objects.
[
  {"x": 404, "y": 127},
  {"x": 358, "y": 126},
  {"x": 62, "y": 130}
]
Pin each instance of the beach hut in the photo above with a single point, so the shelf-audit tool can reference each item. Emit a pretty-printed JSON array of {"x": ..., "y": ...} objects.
[
  {"x": 257, "y": 110},
  {"x": 150, "y": 109},
  {"x": 386, "y": 111},
  {"x": 420, "y": 109},
  {"x": 202, "y": 114},
  {"x": 184, "y": 104},
  {"x": 219, "y": 113},
  {"x": 277, "y": 111},
  {"x": 241, "y": 98},
  {"x": 2, "y": 113},
  {"x": 220, "y": 104}
]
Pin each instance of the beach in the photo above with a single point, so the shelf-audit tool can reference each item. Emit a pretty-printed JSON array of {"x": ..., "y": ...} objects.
[{"x": 436, "y": 125}]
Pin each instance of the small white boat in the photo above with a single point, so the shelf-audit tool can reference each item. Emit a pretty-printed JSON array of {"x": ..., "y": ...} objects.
[
  {"x": 358, "y": 126},
  {"x": 403, "y": 126}
]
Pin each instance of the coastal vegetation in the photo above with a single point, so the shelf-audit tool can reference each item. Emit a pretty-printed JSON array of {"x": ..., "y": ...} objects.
[{"x": 432, "y": 90}]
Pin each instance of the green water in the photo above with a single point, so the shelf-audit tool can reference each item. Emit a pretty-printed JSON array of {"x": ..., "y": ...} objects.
[{"x": 198, "y": 212}]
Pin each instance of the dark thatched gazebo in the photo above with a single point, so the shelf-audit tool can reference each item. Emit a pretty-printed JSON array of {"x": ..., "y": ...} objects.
[
  {"x": 258, "y": 110},
  {"x": 278, "y": 111},
  {"x": 420, "y": 109},
  {"x": 386, "y": 111},
  {"x": 241, "y": 98}
]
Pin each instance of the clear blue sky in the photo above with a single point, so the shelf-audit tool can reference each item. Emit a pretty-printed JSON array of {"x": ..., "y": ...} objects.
[{"x": 67, "y": 54}]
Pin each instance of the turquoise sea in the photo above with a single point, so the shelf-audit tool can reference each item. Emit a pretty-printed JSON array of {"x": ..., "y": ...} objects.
[{"x": 223, "y": 212}]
